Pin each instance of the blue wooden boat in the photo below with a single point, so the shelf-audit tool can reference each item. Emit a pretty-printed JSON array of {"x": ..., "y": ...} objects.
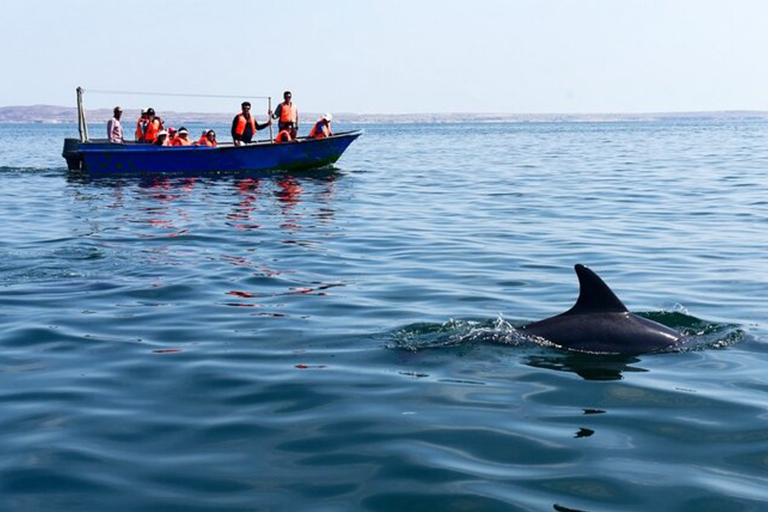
[{"x": 102, "y": 157}]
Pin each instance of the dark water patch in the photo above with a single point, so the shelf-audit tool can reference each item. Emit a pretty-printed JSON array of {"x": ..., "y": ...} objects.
[
  {"x": 587, "y": 366},
  {"x": 560, "y": 508},
  {"x": 429, "y": 501},
  {"x": 37, "y": 481},
  {"x": 44, "y": 338}
]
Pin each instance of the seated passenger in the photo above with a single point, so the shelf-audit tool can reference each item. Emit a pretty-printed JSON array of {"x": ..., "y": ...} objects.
[
  {"x": 208, "y": 140},
  {"x": 322, "y": 128},
  {"x": 284, "y": 136},
  {"x": 202, "y": 138},
  {"x": 182, "y": 138},
  {"x": 161, "y": 138}
]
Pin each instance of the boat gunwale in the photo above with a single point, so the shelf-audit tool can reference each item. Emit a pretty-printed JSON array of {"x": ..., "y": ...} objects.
[{"x": 138, "y": 147}]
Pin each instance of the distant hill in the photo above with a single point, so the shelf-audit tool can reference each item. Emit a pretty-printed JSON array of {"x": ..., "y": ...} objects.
[{"x": 55, "y": 114}]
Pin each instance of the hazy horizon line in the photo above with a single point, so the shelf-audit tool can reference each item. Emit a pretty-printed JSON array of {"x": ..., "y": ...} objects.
[{"x": 427, "y": 113}]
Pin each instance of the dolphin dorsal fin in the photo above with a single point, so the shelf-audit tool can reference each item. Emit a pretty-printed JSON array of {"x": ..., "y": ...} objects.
[{"x": 594, "y": 295}]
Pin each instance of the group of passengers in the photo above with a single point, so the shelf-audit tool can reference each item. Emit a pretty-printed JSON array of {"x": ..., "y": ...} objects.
[
  {"x": 150, "y": 128},
  {"x": 245, "y": 126}
]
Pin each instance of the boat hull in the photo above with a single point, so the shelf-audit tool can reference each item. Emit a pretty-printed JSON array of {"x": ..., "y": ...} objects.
[{"x": 100, "y": 157}]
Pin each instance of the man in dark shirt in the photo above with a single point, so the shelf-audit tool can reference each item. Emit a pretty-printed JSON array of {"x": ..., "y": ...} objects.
[{"x": 244, "y": 125}]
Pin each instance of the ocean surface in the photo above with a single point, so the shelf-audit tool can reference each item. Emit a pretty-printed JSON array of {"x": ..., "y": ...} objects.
[{"x": 346, "y": 340}]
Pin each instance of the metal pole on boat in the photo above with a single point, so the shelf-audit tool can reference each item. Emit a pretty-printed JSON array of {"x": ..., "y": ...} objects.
[
  {"x": 269, "y": 113},
  {"x": 80, "y": 114}
]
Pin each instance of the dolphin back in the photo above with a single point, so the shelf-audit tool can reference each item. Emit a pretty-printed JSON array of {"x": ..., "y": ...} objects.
[{"x": 600, "y": 322}]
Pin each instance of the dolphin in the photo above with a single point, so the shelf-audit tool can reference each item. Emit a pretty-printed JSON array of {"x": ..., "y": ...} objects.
[{"x": 600, "y": 323}]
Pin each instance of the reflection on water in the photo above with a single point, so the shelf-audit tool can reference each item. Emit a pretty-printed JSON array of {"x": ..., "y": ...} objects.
[
  {"x": 223, "y": 238},
  {"x": 167, "y": 200},
  {"x": 249, "y": 190},
  {"x": 587, "y": 366}
]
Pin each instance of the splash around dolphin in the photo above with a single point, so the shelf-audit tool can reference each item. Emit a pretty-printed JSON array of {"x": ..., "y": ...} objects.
[{"x": 600, "y": 323}]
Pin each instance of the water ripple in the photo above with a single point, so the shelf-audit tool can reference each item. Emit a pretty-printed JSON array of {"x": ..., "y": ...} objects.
[{"x": 348, "y": 340}]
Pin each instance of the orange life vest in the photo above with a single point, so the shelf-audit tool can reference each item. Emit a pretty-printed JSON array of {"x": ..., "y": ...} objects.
[
  {"x": 179, "y": 141},
  {"x": 283, "y": 136},
  {"x": 141, "y": 127},
  {"x": 152, "y": 128},
  {"x": 242, "y": 121},
  {"x": 288, "y": 113},
  {"x": 320, "y": 130},
  {"x": 206, "y": 142}
]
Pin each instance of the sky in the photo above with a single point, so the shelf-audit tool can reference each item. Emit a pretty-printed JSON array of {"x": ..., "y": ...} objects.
[{"x": 391, "y": 56}]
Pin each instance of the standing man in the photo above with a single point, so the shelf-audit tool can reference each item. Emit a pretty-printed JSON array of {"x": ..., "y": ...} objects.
[
  {"x": 244, "y": 125},
  {"x": 288, "y": 116},
  {"x": 114, "y": 128}
]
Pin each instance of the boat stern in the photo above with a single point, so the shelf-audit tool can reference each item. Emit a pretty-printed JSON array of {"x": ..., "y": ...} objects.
[{"x": 71, "y": 154}]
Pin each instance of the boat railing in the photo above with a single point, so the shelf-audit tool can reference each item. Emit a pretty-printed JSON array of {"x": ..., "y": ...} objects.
[
  {"x": 130, "y": 143},
  {"x": 83, "y": 125}
]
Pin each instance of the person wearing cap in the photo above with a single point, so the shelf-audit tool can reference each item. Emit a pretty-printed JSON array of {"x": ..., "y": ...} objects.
[
  {"x": 141, "y": 126},
  {"x": 288, "y": 116},
  {"x": 161, "y": 138},
  {"x": 171, "y": 135},
  {"x": 322, "y": 128},
  {"x": 154, "y": 126},
  {"x": 245, "y": 126},
  {"x": 114, "y": 128},
  {"x": 182, "y": 138}
]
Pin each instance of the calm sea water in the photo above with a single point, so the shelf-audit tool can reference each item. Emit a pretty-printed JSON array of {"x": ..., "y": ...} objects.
[{"x": 345, "y": 341}]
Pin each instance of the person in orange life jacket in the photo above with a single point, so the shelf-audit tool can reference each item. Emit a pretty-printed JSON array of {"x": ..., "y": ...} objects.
[
  {"x": 171, "y": 135},
  {"x": 322, "y": 128},
  {"x": 161, "y": 138},
  {"x": 182, "y": 138},
  {"x": 288, "y": 116},
  {"x": 284, "y": 136},
  {"x": 141, "y": 126},
  {"x": 154, "y": 126},
  {"x": 202, "y": 138},
  {"x": 244, "y": 125},
  {"x": 208, "y": 139}
]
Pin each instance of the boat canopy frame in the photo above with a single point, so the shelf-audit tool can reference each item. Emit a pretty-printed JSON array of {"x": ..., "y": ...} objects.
[{"x": 82, "y": 125}]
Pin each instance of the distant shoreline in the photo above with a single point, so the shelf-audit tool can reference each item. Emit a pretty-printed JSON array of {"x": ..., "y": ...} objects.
[{"x": 51, "y": 114}]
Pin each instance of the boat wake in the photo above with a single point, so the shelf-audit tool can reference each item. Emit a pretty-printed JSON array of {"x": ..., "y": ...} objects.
[{"x": 36, "y": 170}]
